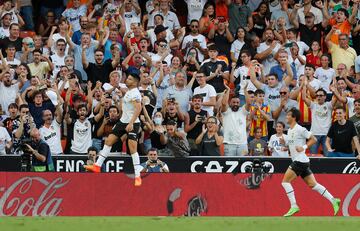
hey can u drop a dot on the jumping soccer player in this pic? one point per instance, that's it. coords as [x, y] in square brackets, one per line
[296, 142]
[129, 124]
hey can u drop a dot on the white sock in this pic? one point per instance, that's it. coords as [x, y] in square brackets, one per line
[136, 163]
[290, 194]
[323, 192]
[102, 155]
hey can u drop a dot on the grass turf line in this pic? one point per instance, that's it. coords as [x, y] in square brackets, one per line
[179, 223]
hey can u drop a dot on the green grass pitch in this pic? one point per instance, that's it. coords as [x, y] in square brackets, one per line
[179, 223]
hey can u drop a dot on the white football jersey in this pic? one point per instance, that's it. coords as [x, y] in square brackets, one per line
[297, 136]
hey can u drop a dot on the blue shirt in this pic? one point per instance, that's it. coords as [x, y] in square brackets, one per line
[280, 72]
[76, 37]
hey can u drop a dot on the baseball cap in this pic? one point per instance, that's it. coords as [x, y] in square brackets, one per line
[160, 28]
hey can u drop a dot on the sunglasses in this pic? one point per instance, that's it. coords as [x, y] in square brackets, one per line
[194, 26]
[163, 45]
[283, 93]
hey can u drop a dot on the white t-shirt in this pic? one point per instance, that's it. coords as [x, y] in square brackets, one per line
[350, 103]
[276, 147]
[8, 95]
[14, 62]
[4, 32]
[4, 138]
[321, 117]
[315, 83]
[157, 57]
[235, 126]
[128, 101]
[52, 136]
[303, 48]
[189, 39]
[297, 136]
[195, 8]
[269, 61]
[236, 48]
[316, 11]
[206, 92]
[73, 15]
[130, 17]
[325, 77]
[58, 62]
[299, 67]
[152, 36]
[170, 20]
[55, 38]
[243, 73]
[81, 136]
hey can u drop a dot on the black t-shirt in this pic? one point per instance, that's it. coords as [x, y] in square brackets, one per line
[150, 102]
[309, 35]
[99, 72]
[222, 44]
[176, 118]
[210, 67]
[4, 43]
[209, 146]
[155, 141]
[189, 73]
[195, 132]
[342, 136]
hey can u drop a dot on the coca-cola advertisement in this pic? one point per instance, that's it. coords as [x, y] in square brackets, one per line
[113, 194]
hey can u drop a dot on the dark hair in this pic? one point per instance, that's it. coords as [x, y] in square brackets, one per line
[61, 40]
[23, 106]
[310, 65]
[99, 50]
[197, 96]
[37, 51]
[92, 148]
[209, 3]
[282, 123]
[339, 107]
[293, 30]
[14, 24]
[13, 105]
[159, 15]
[321, 90]
[257, 129]
[113, 106]
[357, 101]
[161, 40]
[152, 150]
[295, 113]
[171, 122]
[259, 91]
[344, 11]
[10, 45]
[82, 105]
[245, 51]
[273, 74]
[213, 117]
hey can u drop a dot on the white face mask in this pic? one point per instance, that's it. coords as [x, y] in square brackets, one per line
[157, 120]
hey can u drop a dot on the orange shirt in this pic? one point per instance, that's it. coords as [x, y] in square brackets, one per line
[305, 112]
[343, 28]
[222, 10]
[314, 60]
[259, 120]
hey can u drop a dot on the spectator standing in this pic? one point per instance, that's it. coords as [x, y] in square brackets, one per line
[276, 148]
[258, 147]
[210, 138]
[207, 92]
[234, 122]
[240, 15]
[340, 136]
[154, 164]
[175, 140]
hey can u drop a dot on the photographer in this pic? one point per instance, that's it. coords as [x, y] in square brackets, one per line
[153, 164]
[22, 126]
[39, 152]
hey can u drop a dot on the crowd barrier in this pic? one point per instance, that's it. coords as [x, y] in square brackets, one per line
[117, 163]
[172, 194]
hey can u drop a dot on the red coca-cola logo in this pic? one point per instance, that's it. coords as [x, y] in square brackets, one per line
[18, 199]
[351, 204]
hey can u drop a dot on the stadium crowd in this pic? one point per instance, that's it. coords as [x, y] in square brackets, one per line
[217, 77]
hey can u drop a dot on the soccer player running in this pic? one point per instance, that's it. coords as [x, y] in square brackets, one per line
[128, 124]
[296, 142]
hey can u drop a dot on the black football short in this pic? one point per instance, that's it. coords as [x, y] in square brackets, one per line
[301, 169]
[119, 130]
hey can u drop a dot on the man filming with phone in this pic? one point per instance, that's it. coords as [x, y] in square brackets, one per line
[153, 164]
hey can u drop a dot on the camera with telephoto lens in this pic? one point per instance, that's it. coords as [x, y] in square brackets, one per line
[257, 166]
[26, 157]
